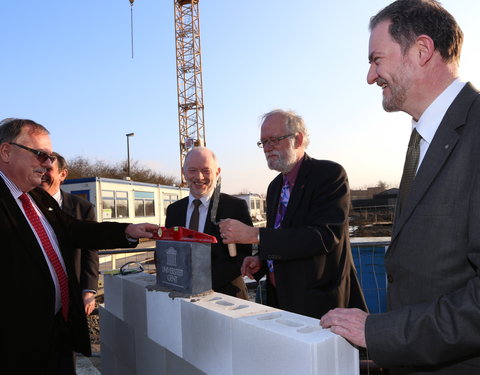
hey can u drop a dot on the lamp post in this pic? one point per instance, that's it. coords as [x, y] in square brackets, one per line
[128, 154]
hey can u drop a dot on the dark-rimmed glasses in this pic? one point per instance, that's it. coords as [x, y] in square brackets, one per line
[41, 156]
[273, 140]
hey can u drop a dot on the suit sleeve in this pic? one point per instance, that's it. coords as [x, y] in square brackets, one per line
[89, 258]
[319, 221]
[242, 214]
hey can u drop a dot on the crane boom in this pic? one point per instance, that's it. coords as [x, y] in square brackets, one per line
[189, 77]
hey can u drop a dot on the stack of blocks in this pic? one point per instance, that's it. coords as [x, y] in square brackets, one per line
[144, 331]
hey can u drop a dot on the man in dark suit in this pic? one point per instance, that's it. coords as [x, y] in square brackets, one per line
[305, 249]
[201, 172]
[86, 261]
[433, 261]
[43, 315]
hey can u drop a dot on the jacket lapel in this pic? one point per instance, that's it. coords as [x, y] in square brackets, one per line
[442, 146]
[273, 197]
[67, 204]
[298, 190]
[24, 233]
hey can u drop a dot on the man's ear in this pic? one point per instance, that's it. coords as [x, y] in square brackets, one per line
[63, 175]
[298, 140]
[425, 48]
[5, 152]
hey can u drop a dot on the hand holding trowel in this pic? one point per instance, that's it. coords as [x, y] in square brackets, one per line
[232, 248]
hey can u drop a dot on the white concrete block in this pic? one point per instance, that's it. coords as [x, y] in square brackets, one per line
[164, 320]
[120, 338]
[178, 366]
[207, 330]
[134, 299]
[113, 297]
[286, 343]
[151, 357]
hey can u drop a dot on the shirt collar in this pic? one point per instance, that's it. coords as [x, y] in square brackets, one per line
[204, 199]
[14, 190]
[430, 120]
[58, 197]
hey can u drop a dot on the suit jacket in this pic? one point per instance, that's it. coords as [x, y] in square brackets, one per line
[86, 261]
[28, 290]
[314, 270]
[224, 267]
[433, 261]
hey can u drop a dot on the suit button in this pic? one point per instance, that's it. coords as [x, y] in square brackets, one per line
[390, 278]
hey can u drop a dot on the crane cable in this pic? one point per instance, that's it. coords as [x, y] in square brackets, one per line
[131, 23]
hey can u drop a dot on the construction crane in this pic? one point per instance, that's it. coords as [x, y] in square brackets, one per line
[189, 77]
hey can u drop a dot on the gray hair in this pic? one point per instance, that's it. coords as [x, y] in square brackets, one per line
[10, 128]
[293, 122]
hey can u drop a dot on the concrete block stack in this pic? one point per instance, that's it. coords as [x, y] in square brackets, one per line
[144, 331]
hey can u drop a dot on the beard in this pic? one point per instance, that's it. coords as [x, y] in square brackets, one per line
[399, 85]
[284, 162]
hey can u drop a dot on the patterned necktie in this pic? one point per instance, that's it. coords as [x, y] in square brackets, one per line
[410, 168]
[51, 254]
[282, 208]
[194, 219]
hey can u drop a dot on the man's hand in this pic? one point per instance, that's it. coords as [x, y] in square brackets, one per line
[250, 266]
[348, 323]
[89, 302]
[234, 231]
[144, 230]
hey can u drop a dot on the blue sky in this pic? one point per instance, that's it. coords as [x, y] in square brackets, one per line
[68, 65]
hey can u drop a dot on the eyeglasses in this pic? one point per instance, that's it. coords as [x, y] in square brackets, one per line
[41, 156]
[273, 140]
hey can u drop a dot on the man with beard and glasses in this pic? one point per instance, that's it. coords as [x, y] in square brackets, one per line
[305, 249]
[201, 172]
[433, 261]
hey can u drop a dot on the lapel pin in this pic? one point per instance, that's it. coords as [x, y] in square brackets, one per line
[447, 146]
[50, 209]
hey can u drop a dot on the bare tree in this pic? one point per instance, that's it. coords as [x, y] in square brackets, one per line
[81, 167]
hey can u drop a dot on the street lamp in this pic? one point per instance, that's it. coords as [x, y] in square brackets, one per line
[128, 154]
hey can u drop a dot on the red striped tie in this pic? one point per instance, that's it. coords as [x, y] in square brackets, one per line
[52, 255]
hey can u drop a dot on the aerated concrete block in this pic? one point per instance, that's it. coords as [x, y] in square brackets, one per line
[207, 326]
[134, 299]
[113, 294]
[164, 320]
[177, 365]
[151, 357]
[286, 343]
[117, 337]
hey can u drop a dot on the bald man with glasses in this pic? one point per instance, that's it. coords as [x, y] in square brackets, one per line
[305, 249]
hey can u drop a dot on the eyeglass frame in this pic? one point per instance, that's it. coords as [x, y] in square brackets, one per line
[41, 156]
[274, 140]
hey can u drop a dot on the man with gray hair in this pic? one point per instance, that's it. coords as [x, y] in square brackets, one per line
[305, 249]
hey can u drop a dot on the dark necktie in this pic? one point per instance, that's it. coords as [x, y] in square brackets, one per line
[51, 254]
[282, 208]
[195, 215]
[410, 168]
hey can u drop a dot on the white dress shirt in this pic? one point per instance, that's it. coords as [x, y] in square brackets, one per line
[202, 209]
